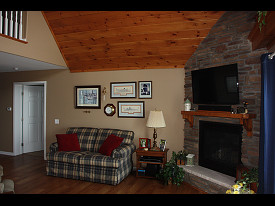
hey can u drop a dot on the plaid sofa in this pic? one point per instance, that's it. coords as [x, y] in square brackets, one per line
[88, 164]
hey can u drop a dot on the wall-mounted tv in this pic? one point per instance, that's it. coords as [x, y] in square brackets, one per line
[216, 85]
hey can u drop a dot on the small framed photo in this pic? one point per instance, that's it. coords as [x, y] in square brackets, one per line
[145, 89]
[142, 142]
[148, 143]
[131, 109]
[88, 97]
[162, 144]
[123, 89]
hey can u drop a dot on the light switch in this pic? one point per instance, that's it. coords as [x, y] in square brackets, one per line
[56, 121]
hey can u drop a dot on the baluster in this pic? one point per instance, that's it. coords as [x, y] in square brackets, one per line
[15, 22]
[6, 23]
[10, 24]
[1, 22]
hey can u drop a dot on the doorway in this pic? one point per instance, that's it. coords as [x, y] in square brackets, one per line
[29, 117]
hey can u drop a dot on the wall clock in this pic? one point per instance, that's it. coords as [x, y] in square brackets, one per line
[109, 109]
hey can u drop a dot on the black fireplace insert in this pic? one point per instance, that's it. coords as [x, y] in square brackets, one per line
[220, 146]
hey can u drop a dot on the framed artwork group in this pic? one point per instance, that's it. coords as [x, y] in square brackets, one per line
[131, 109]
[128, 90]
[89, 97]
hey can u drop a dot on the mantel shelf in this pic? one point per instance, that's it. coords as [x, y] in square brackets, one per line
[245, 119]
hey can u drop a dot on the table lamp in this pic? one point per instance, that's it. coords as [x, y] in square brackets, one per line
[155, 120]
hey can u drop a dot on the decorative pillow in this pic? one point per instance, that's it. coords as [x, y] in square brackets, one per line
[67, 142]
[111, 143]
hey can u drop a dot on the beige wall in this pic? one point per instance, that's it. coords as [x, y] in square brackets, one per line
[41, 44]
[168, 96]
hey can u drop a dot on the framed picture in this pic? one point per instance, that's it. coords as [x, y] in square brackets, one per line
[145, 89]
[148, 143]
[123, 89]
[142, 142]
[131, 109]
[88, 97]
[162, 144]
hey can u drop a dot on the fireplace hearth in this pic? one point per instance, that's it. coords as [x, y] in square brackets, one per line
[220, 146]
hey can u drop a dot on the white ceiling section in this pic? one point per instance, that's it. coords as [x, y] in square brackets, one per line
[8, 63]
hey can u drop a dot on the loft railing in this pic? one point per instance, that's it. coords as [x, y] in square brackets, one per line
[13, 24]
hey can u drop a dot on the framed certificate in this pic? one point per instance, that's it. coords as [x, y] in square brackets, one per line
[123, 89]
[131, 109]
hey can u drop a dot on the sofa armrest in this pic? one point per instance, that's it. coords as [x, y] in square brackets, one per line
[54, 147]
[123, 151]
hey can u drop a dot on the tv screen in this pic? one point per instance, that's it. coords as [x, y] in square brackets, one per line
[216, 85]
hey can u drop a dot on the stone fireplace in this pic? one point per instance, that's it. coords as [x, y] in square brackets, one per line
[225, 44]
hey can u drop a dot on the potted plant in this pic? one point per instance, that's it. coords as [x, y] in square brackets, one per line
[239, 188]
[261, 19]
[250, 178]
[181, 157]
[171, 173]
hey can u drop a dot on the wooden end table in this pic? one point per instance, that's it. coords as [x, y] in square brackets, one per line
[141, 152]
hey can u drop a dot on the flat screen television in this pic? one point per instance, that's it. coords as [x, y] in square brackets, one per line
[216, 85]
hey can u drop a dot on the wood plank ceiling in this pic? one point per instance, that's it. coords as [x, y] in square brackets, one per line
[123, 40]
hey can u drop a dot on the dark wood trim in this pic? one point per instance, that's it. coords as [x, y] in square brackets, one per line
[12, 38]
[265, 37]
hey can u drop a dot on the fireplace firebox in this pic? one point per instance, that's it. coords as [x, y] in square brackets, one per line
[220, 146]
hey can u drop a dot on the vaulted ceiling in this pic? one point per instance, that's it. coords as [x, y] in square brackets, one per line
[123, 40]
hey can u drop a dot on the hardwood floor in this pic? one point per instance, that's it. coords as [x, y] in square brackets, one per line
[28, 171]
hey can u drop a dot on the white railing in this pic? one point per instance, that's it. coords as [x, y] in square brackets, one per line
[11, 24]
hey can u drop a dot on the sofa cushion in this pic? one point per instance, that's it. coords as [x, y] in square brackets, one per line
[86, 136]
[127, 136]
[66, 156]
[84, 158]
[97, 159]
[67, 142]
[111, 143]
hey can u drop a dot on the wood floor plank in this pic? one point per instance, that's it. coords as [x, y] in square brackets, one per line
[28, 171]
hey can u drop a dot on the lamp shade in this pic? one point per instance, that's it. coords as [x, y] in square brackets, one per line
[155, 119]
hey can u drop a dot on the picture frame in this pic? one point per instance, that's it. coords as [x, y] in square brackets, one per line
[162, 144]
[123, 89]
[145, 90]
[131, 109]
[88, 97]
[145, 143]
[142, 142]
[149, 143]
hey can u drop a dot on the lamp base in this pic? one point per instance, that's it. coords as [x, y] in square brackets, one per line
[155, 137]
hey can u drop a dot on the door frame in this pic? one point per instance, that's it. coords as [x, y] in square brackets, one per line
[17, 114]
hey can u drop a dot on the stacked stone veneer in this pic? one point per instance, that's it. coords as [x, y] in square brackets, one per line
[227, 43]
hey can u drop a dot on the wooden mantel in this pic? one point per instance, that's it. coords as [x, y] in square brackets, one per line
[245, 119]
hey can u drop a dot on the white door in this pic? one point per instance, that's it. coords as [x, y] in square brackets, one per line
[33, 118]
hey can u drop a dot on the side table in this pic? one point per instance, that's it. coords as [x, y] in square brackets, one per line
[141, 152]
